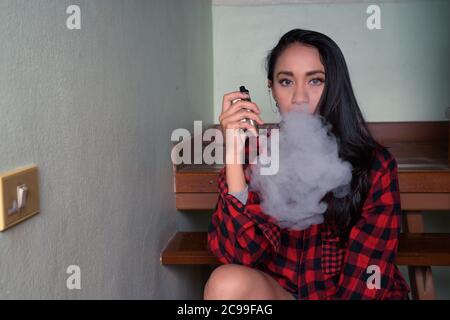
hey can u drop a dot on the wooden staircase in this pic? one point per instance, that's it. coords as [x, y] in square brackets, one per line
[422, 153]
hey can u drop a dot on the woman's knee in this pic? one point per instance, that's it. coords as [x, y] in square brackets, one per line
[232, 281]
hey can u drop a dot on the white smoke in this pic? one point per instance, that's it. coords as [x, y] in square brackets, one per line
[309, 168]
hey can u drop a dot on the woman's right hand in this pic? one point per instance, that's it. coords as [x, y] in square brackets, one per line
[233, 113]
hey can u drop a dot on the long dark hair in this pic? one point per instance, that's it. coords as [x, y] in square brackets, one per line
[338, 107]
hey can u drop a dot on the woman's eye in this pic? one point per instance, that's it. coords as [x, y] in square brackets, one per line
[317, 81]
[284, 82]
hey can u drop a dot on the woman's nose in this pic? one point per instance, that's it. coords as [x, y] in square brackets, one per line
[300, 96]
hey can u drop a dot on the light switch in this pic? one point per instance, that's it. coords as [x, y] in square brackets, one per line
[19, 195]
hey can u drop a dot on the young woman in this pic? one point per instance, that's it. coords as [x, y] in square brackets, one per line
[349, 256]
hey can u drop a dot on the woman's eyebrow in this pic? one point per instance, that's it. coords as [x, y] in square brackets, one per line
[290, 73]
[314, 72]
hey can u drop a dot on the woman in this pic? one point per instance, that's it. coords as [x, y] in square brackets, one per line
[341, 258]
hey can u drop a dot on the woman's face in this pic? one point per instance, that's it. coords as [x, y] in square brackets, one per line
[298, 79]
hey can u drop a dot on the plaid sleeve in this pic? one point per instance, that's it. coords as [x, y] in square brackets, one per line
[241, 233]
[373, 241]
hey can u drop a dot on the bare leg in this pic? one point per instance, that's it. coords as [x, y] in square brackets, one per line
[238, 282]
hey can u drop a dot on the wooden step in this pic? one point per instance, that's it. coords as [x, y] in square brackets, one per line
[421, 189]
[424, 249]
[417, 179]
[188, 248]
[425, 202]
[420, 249]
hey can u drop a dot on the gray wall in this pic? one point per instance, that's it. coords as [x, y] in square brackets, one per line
[94, 109]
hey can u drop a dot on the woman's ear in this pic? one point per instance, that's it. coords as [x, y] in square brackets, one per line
[269, 84]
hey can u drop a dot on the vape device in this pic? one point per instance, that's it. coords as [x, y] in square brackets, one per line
[251, 121]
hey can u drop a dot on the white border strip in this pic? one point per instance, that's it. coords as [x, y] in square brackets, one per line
[274, 2]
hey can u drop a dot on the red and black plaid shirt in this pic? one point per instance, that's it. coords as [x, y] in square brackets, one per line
[309, 263]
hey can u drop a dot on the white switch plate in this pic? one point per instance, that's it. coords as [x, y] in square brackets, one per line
[9, 181]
